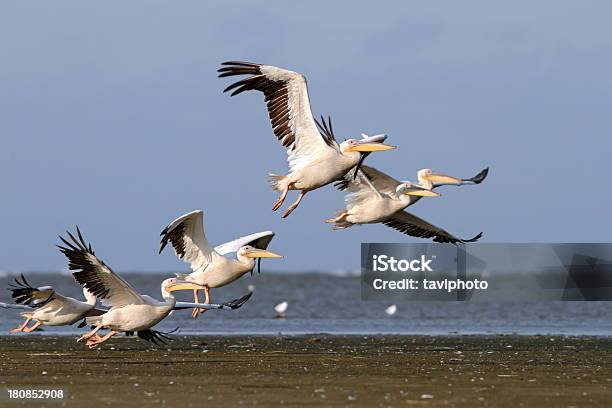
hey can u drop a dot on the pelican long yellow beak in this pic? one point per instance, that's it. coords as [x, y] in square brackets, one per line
[371, 147]
[262, 253]
[422, 193]
[443, 178]
[184, 285]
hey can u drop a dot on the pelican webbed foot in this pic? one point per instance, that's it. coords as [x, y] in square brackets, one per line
[96, 340]
[90, 333]
[31, 329]
[339, 218]
[22, 326]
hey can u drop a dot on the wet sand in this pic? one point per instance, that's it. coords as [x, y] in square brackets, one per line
[369, 371]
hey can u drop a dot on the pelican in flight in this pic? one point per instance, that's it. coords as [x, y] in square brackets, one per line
[375, 197]
[211, 268]
[315, 159]
[45, 306]
[129, 311]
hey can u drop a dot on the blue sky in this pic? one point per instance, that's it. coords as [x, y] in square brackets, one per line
[111, 117]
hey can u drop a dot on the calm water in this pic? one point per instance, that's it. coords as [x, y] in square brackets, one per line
[326, 303]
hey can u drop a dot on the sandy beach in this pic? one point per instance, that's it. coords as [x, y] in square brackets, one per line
[368, 371]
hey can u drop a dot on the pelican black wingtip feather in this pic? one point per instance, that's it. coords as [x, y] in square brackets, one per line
[77, 244]
[480, 177]
[154, 336]
[237, 303]
[175, 237]
[473, 239]
[23, 293]
[254, 81]
[83, 262]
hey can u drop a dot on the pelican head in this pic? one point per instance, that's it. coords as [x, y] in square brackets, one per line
[409, 188]
[366, 144]
[249, 251]
[428, 177]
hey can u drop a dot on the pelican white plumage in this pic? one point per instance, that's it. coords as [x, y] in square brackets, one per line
[315, 158]
[375, 197]
[211, 268]
[45, 306]
[129, 311]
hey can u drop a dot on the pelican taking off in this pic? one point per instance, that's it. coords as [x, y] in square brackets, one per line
[211, 268]
[129, 311]
[375, 197]
[47, 307]
[315, 159]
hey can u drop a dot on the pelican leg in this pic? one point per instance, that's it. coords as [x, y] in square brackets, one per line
[282, 197]
[23, 326]
[31, 329]
[99, 340]
[196, 298]
[339, 218]
[90, 333]
[207, 299]
[294, 205]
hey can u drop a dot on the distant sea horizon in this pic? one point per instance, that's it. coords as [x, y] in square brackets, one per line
[330, 302]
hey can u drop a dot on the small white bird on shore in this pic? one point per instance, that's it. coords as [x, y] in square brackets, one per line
[391, 310]
[281, 310]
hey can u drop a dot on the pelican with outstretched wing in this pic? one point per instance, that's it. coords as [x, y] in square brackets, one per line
[129, 311]
[211, 267]
[45, 306]
[375, 197]
[315, 158]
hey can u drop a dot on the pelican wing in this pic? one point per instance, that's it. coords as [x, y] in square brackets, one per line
[94, 312]
[186, 234]
[91, 313]
[286, 96]
[382, 181]
[94, 275]
[24, 293]
[231, 305]
[15, 306]
[259, 240]
[414, 226]
[358, 189]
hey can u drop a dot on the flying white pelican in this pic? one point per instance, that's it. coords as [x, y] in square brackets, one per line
[315, 159]
[375, 197]
[47, 307]
[211, 269]
[129, 311]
